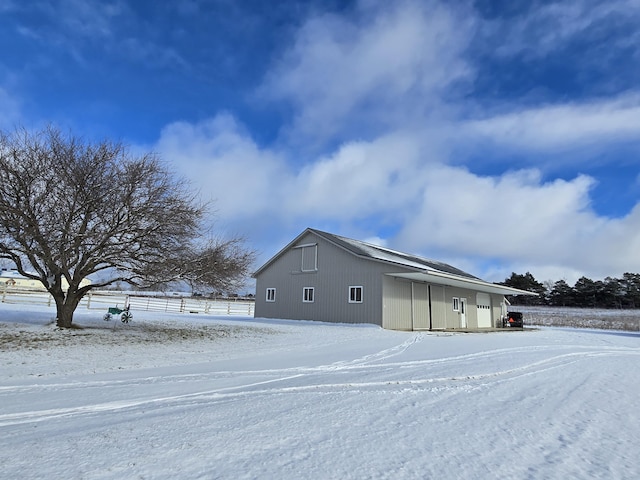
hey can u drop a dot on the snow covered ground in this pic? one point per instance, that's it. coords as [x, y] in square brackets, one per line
[203, 397]
[608, 319]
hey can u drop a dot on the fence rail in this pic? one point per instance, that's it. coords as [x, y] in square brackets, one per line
[103, 300]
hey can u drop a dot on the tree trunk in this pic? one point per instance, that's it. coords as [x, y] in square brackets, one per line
[65, 306]
[64, 317]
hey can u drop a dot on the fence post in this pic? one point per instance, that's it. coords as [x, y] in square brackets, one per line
[4, 292]
[88, 300]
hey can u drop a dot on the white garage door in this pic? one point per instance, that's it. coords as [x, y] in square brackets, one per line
[483, 301]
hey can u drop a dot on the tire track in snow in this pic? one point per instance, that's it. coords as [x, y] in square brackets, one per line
[461, 382]
[290, 373]
[375, 357]
[340, 365]
[363, 364]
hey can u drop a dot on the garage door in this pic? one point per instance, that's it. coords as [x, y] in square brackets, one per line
[483, 301]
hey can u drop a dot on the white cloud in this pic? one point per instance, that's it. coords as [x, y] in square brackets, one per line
[359, 179]
[516, 218]
[551, 26]
[519, 219]
[510, 216]
[381, 242]
[563, 126]
[389, 63]
[227, 166]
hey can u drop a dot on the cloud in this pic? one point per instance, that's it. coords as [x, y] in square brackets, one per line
[70, 20]
[358, 180]
[226, 163]
[485, 215]
[90, 19]
[564, 125]
[78, 27]
[517, 218]
[71, 27]
[242, 180]
[439, 210]
[544, 29]
[386, 64]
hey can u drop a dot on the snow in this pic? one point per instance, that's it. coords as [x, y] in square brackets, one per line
[204, 397]
[608, 319]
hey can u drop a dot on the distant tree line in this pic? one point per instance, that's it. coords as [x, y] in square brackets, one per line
[615, 293]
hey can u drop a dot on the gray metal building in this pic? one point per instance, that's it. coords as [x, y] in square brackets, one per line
[325, 277]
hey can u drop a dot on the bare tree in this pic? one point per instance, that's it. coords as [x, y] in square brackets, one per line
[70, 209]
[218, 264]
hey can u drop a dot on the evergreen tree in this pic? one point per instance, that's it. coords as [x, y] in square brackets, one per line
[529, 283]
[561, 294]
[585, 293]
[630, 285]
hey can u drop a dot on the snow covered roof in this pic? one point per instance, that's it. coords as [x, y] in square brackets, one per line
[377, 252]
[4, 273]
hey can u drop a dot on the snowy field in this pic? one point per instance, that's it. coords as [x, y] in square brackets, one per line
[608, 319]
[203, 397]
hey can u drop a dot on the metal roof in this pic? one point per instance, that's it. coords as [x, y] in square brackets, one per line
[368, 250]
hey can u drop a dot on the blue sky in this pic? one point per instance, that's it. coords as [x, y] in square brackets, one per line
[498, 136]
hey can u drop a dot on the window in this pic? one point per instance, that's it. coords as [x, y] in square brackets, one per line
[271, 294]
[456, 304]
[355, 294]
[307, 294]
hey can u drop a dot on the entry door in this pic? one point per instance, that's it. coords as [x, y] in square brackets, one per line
[463, 313]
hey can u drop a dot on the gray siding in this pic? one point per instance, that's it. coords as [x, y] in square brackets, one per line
[496, 310]
[337, 270]
[438, 307]
[420, 311]
[396, 304]
[453, 318]
[406, 305]
[330, 270]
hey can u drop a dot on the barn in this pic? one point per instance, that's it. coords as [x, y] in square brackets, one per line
[13, 279]
[325, 277]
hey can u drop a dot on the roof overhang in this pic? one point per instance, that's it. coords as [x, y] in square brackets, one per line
[439, 278]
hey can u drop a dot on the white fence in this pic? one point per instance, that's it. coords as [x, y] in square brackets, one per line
[103, 300]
